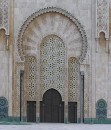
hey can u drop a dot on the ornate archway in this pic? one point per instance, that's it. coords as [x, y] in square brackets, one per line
[67, 31]
[59, 22]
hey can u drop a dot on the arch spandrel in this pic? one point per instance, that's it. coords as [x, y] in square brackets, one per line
[52, 21]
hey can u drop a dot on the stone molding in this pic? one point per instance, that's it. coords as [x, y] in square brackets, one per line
[48, 10]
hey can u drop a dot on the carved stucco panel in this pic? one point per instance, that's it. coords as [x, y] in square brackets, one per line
[103, 17]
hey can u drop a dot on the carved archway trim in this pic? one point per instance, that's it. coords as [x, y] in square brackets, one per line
[48, 10]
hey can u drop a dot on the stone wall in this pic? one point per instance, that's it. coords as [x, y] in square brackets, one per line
[95, 18]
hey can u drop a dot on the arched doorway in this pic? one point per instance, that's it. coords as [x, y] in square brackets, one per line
[52, 42]
[52, 107]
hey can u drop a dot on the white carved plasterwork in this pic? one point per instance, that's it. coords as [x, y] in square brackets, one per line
[4, 15]
[73, 80]
[52, 64]
[103, 17]
[31, 78]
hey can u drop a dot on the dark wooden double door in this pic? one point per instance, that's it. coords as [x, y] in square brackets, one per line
[52, 107]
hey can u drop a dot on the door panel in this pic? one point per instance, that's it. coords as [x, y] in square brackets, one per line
[52, 107]
[72, 112]
[31, 111]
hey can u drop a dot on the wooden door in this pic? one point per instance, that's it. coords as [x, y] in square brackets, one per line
[72, 112]
[52, 107]
[31, 111]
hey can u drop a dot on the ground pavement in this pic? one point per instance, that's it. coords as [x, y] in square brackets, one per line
[51, 126]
